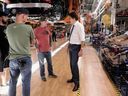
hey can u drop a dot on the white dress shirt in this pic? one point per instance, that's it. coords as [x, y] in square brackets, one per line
[78, 34]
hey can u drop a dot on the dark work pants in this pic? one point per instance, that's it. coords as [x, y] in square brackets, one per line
[73, 53]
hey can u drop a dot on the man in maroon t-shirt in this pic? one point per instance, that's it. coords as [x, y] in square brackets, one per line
[44, 49]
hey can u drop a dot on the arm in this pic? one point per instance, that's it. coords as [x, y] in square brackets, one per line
[82, 44]
[82, 38]
[32, 38]
[49, 32]
[32, 42]
[36, 43]
[82, 35]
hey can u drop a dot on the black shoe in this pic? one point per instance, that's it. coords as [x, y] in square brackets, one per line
[53, 76]
[70, 81]
[76, 87]
[44, 79]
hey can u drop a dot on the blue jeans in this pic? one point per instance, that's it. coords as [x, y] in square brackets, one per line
[73, 54]
[41, 56]
[18, 67]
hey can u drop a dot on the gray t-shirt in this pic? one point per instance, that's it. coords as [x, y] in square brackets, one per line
[19, 37]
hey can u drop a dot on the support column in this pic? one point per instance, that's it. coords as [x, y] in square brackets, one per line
[70, 5]
[113, 12]
[77, 5]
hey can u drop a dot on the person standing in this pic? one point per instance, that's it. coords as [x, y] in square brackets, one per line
[54, 36]
[4, 47]
[42, 35]
[76, 44]
[20, 37]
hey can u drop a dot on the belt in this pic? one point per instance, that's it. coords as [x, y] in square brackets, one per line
[75, 44]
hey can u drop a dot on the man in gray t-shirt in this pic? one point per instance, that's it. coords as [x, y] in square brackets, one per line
[20, 37]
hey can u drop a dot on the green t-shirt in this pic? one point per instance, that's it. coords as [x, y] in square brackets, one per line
[19, 37]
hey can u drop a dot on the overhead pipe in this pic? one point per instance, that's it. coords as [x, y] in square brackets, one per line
[102, 9]
[29, 5]
[100, 13]
[98, 6]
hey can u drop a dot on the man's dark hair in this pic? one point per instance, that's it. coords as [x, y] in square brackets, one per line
[22, 11]
[3, 14]
[73, 15]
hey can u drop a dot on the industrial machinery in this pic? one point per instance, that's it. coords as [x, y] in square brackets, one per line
[113, 53]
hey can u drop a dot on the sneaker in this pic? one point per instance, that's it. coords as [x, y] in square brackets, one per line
[53, 76]
[44, 79]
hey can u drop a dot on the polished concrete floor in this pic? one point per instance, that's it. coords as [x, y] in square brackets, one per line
[93, 79]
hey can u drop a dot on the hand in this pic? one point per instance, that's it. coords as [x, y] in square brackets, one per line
[80, 53]
[50, 48]
[31, 45]
[36, 45]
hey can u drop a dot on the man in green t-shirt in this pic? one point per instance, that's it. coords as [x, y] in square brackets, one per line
[20, 37]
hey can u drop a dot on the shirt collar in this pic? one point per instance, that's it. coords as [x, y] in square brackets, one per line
[75, 23]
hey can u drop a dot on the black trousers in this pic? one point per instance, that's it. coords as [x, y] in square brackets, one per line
[73, 53]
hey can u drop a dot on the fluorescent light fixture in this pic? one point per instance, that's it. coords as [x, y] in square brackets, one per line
[100, 13]
[29, 5]
[100, 1]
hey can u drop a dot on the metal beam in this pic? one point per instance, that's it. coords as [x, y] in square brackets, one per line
[29, 5]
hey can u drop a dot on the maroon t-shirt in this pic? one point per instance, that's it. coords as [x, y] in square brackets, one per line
[42, 36]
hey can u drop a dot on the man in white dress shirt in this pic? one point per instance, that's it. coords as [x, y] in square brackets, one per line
[76, 44]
